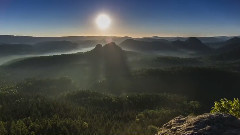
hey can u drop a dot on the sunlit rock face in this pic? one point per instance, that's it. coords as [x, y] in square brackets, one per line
[206, 124]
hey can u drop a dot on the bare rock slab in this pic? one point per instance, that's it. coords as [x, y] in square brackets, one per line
[206, 124]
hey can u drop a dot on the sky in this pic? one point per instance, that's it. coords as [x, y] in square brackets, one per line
[136, 18]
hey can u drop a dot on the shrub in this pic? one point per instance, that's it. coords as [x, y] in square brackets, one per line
[227, 106]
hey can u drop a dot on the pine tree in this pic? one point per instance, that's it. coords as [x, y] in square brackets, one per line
[3, 131]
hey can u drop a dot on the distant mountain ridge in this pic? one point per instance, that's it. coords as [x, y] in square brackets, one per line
[230, 45]
[108, 61]
[211, 39]
[229, 51]
[137, 45]
[55, 46]
[191, 44]
[11, 39]
[39, 48]
[15, 49]
[100, 52]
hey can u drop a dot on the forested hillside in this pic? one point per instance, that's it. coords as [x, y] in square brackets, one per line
[109, 90]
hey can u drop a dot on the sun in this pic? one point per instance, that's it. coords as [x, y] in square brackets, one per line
[103, 21]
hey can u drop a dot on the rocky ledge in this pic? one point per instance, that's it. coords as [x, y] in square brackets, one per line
[206, 124]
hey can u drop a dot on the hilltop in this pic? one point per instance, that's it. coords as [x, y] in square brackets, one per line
[192, 46]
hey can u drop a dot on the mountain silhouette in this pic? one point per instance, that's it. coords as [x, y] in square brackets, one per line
[144, 46]
[55, 46]
[151, 39]
[39, 48]
[230, 45]
[233, 40]
[191, 44]
[114, 59]
[15, 49]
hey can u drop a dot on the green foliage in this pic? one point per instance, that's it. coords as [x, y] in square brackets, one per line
[88, 112]
[3, 130]
[45, 126]
[46, 87]
[227, 106]
[173, 61]
[137, 102]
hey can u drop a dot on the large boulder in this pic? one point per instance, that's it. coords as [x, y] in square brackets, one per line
[206, 124]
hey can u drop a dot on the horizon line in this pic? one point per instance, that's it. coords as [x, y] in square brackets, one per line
[116, 36]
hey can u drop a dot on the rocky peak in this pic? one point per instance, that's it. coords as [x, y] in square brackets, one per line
[110, 49]
[98, 46]
[206, 124]
[111, 46]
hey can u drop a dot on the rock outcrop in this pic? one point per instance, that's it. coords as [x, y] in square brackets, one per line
[206, 124]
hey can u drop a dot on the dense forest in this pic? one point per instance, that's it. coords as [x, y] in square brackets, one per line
[27, 108]
[109, 90]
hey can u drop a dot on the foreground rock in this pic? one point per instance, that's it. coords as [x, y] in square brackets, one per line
[206, 124]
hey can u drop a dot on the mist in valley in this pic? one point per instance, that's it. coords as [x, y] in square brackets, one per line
[6, 59]
[118, 67]
[137, 82]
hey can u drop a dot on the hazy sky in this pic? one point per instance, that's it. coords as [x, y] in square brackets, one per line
[129, 17]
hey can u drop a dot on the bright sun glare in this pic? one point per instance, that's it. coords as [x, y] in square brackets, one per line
[103, 21]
